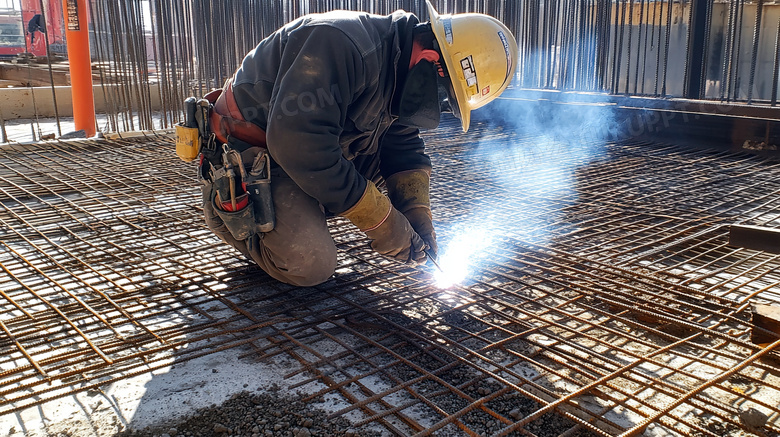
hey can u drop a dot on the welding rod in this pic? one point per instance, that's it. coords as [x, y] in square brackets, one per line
[433, 260]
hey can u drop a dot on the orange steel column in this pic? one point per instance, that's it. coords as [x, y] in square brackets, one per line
[77, 35]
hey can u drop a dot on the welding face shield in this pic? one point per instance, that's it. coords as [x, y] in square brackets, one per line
[447, 100]
[419, 103]
[426, 94]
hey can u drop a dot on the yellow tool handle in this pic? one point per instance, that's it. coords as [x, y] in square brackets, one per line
[187, 143]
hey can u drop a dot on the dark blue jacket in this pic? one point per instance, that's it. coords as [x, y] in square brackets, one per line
[321, 87]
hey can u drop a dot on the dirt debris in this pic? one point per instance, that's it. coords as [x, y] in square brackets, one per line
[753, 418]
[268, 414]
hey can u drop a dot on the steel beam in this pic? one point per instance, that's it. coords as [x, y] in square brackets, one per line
[697, 48]
[755, 237]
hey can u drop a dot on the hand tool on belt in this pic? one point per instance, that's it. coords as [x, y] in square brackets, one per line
[242, 194]
[216, 119]
[230, 181]
[187, 133]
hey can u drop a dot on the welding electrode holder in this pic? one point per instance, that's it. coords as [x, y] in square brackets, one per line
[433, 260]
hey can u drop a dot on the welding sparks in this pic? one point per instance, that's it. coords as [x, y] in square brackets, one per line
[460, 256]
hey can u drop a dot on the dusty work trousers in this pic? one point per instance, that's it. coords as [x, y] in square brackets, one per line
[300, 250]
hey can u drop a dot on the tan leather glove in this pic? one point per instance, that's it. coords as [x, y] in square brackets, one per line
[390, 232]
[409, 192]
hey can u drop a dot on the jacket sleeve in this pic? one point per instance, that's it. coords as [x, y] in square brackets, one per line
[321, 73]
[402, 149]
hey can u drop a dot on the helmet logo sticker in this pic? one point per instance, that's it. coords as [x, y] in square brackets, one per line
[469, 73]
[506, 50]
[486, 90]
[447, 23]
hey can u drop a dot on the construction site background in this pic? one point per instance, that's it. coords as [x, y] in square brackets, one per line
[149, 55]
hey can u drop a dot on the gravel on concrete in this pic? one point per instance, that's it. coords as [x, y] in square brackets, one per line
[257, 415]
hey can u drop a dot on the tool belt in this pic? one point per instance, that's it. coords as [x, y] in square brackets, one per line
[239, 193]
[226, 120]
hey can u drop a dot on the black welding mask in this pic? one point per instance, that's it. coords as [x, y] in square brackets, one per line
[420, 99]
[447, 101]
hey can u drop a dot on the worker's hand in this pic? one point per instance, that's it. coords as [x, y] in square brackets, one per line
[395, 237]
[410, 193]
[422, 222]
[390, 232]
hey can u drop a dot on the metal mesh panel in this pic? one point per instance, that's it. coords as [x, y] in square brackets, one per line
[602, 298]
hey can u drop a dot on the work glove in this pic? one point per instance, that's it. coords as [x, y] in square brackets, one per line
[409, 192]
[390, 232]
[422, 222]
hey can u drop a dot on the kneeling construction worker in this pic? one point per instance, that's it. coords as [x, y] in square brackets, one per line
[327, 109]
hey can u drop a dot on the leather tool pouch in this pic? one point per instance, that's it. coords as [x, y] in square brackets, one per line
[242, 194]
[258, 185]
[231, 202]
[241, 223]
[249, 210]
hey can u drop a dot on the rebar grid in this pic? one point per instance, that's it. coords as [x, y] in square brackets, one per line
[602, 300]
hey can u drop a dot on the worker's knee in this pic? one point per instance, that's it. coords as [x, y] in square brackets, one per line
[303, 265]
[314, 272]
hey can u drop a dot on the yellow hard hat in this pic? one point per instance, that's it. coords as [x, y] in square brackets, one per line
[480, 53]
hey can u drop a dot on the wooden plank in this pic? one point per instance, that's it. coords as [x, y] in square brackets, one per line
[38, 75]
[767, 319]
[9, 83]
[34, 75]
